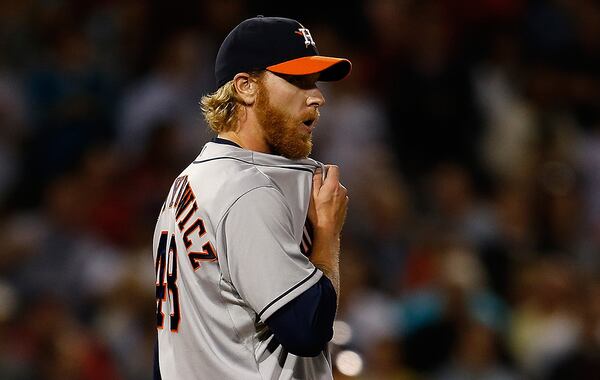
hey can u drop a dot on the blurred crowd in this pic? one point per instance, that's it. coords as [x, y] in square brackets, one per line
[468, 135]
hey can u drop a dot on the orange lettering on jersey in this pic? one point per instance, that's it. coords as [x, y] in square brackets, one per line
[199, 225]
[184, 221]
[176, 190]
[187, 198]
[208, 253]
[180, 198]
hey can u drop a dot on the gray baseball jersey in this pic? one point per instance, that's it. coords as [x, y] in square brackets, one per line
[228, 250]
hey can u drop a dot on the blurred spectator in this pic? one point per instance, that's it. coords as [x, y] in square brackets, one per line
[588, 163]
[12, 132]
[545, 324]
[385, 362]
[70, 103]
[429, 97]
[581, 361]
[477, 356]
[443, 304]
[52, 344]
[170, 93]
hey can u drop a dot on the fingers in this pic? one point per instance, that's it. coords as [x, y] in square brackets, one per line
[329, 201]
[344, 192]
[333, 173]
[331, 182]
[317, 181]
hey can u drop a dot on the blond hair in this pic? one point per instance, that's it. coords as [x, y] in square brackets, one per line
[221, 108]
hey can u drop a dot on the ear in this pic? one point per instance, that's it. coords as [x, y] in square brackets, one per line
[247, 87]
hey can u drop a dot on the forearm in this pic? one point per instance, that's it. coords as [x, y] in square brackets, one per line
[326, 256]
[327, 212]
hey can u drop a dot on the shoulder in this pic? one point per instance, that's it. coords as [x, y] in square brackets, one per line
[220, 176]
[239, 170]
[261, 201]
[229, 171]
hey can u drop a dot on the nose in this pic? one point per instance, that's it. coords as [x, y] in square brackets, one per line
[315, 98]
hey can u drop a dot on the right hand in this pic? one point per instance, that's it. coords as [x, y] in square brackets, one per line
[328, 203]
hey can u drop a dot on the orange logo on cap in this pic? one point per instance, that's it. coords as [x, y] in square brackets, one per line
[308, 40]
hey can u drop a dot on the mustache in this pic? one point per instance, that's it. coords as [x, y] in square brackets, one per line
[312, 114]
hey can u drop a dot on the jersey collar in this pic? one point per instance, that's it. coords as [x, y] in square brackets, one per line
[219, 140]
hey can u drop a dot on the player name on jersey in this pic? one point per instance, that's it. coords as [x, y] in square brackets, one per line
[180, 199]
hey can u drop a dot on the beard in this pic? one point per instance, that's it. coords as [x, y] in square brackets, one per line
[281, 130]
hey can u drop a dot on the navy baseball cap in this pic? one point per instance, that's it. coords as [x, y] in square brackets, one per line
[280, 45]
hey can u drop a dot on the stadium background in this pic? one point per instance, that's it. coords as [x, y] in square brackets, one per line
[468, 136]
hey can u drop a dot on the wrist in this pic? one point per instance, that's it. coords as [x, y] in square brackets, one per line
[326, 232]
[325, 254]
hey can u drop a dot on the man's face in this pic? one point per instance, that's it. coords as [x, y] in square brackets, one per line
[286, 109]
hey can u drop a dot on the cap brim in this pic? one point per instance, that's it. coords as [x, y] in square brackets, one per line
[331, 69]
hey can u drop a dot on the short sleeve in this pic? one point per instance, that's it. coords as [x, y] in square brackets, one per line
[265, 263]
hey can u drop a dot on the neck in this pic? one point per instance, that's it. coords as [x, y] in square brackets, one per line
[231, 136]
[249, 136]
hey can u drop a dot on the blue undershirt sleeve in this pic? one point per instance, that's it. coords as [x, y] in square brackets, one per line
[305, 324]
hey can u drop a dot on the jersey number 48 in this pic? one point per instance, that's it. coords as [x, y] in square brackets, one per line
[166, 266]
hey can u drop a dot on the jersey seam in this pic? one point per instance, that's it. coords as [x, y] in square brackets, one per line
[221, 278]
[233, 325]
[220, 226]
[269, 186]
[226, 212]
[273, 184]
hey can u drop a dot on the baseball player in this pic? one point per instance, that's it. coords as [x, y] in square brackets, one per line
[246, 245]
